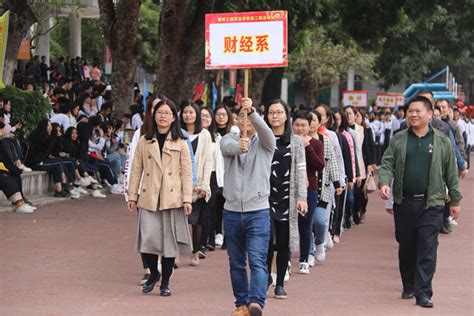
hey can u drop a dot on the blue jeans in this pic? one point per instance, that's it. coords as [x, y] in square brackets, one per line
[349, 203]
[248, 234]
[305, 224]
[319, 227]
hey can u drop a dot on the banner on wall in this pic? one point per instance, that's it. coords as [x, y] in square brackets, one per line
[3, 43]
[246, 40]
[24, 53]
[358, 98]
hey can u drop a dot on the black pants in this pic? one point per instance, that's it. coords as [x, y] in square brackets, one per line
[360, 201]
[338, 215]
[8, 184]
[105, 169]
[416, 231]
[69, 168]
[53, 166]
[216, 216]
[280, 242]
[208, 228]
[13, 149]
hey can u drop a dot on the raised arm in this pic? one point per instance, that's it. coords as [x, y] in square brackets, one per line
[264, 132]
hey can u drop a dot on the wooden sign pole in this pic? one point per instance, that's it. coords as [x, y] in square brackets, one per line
[246, 95]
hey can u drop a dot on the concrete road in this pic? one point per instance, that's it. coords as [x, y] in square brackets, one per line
[77, 258]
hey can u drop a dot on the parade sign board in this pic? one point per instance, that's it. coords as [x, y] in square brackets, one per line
[389, 100]
[357, 98]
[246, 40]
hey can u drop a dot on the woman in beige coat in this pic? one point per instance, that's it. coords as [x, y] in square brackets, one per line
[162, 165]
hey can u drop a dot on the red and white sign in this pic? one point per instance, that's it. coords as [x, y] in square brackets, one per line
[246, 40]
[389, 100]
[400, 99]
[355, 98]
[386, 100]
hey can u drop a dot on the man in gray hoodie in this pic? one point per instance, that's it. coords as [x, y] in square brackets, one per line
[246, 211]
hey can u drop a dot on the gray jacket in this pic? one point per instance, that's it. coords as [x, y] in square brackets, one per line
[298, 189]
[247, 176]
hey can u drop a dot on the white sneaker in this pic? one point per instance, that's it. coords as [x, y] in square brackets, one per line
[83, 182]
[33, 207]
[320, 254]
[92, 180]
[25, 168]
[25, 208]
[329, 243]
[287, 275]
[81, 190]
[74, 194]
[219, 240]
[311, 260]
[98, 194]
[116, 189]
[304, 268]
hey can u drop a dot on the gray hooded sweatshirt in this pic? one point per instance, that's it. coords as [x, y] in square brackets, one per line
[247, 176]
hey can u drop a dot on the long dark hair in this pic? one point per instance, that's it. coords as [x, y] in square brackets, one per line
[41, 129]
[230, 117]
[212, 127]
[286, 137]
[197, 123]
[344, 123]
[70, 146]
[175, 128]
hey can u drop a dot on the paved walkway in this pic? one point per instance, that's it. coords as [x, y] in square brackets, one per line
[77, 258]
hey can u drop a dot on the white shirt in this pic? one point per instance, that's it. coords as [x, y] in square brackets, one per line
[62, 119]
[137, 121]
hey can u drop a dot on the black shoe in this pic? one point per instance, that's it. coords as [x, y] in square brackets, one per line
[406, 295]
[62, 194]
[150, 284]
[348, 222]
[145, 278]
[211, 247]
[356, 218]
[255, 309]
[280, 292]
[424, 302]
[202, 252]
[446, 228]
[165, 291]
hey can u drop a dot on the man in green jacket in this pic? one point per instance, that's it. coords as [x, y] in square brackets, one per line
[421, 163]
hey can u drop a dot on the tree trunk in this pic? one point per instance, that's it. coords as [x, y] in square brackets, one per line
[120, 26]
[21, 19]
[181, 47]
[272, 85]
[257, 80]
[312, 94]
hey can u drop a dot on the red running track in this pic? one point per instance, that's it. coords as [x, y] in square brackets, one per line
[77, 258]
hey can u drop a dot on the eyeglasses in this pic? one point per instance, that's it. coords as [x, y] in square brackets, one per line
[277, 113]
[164, 113]
[205, 116]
